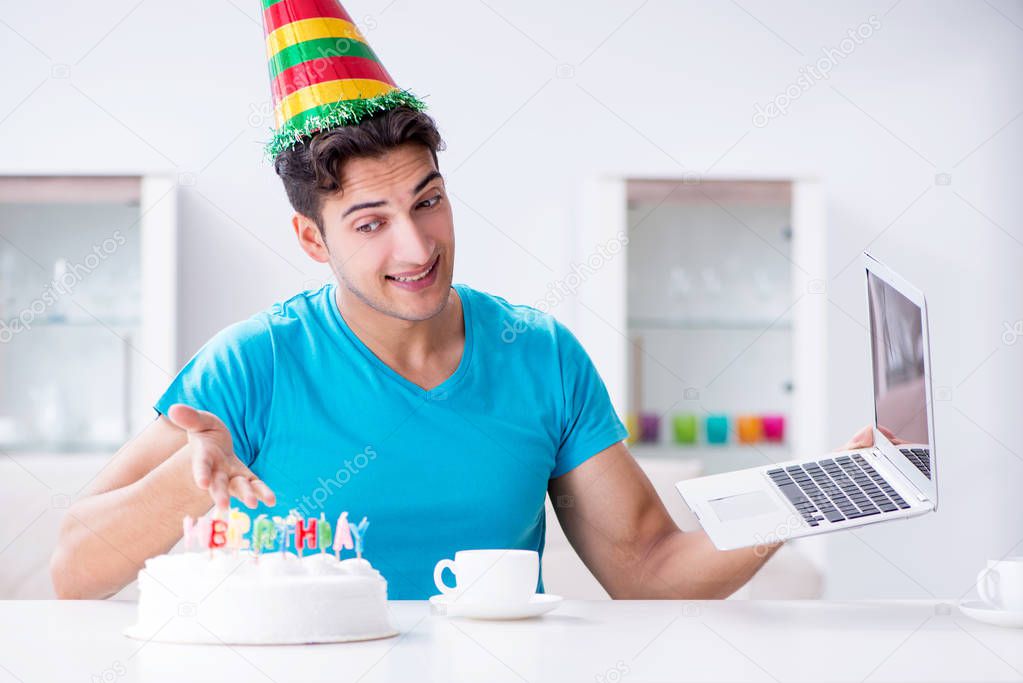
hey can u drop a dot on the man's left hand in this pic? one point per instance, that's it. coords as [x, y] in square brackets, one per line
[865, 439]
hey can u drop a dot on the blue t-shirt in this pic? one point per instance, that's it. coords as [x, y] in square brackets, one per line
[330, 427]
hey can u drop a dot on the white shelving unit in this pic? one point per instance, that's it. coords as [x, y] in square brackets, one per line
[780, 341]
[749, 347]
[88, 306]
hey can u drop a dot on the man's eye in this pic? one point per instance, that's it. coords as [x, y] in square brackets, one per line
[429, 203]
[369, 227]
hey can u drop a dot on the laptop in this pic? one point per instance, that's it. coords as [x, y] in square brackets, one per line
[896, 478]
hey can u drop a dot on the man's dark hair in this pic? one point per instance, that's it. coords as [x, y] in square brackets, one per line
[312, 170]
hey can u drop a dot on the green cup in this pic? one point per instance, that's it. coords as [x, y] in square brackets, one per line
[685, 428]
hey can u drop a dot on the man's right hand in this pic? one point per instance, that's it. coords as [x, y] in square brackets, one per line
[215, 466]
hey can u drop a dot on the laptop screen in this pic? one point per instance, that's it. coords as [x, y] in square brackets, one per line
[900, 399]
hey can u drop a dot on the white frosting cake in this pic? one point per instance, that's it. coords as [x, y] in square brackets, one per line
[276, 598]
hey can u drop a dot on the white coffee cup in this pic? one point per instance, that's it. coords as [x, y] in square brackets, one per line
[490, 577]
[1001, 584]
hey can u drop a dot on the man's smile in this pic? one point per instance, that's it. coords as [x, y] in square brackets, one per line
[413, 276]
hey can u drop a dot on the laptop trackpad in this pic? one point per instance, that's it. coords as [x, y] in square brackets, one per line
[743, 505]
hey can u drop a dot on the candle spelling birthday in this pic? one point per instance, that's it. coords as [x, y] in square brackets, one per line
[294, 533]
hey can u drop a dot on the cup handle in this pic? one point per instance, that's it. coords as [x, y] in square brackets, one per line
[987, 586]
[438, 577]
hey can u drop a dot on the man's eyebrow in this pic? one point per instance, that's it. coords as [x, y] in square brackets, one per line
[426, 181]
[363, 205]
[380, 202]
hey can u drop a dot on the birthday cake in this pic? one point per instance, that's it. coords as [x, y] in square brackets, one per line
[287, 584]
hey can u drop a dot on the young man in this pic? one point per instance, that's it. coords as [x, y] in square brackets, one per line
[391, 394]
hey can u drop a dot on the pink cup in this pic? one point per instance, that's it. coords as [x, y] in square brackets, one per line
[774, 427]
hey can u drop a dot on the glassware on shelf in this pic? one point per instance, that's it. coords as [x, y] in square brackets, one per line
[764, 286]
[647, 424]
[749, 428]
[8, 276]
[58, 312]
[684, 428]
[66, 380]
[774, 428]
[717, 429]
[632, 426]
[52, 415]
[649, 427]
[106, 430]
[711, 280]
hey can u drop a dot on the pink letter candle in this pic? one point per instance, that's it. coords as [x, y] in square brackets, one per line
[196, 532]
[342, 535]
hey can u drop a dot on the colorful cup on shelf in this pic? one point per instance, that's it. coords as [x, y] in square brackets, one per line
[774, 428]
[684, 429]
[750, 428]
[649, 427]
[717, 429]
[632, 425]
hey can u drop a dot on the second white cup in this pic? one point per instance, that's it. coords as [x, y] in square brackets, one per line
[490, 577]
[1001, 584]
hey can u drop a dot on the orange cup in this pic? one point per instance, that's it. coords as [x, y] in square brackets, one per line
[750, 428]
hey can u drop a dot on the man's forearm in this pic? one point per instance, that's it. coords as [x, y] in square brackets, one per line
[106, 538]
[686, 565]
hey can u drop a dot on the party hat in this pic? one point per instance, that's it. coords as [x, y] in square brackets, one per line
[323, 73]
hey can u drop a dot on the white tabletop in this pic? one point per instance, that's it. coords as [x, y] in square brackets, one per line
[581, 641]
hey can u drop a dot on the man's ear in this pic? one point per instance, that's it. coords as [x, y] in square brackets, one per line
[309, 238]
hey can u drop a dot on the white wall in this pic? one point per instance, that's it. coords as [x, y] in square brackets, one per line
[174, 87]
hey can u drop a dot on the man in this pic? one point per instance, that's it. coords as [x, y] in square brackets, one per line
[390, 394]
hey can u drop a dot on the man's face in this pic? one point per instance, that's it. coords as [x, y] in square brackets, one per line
[389, 233]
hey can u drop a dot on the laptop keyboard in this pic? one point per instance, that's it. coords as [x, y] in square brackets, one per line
[836, 489]
[921, 457]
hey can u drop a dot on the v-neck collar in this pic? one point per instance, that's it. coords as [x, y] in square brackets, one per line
[441, 390]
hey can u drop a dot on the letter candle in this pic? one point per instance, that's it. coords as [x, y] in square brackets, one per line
[264, 532]
[214, 532]
[324, 535]
[196, 532]
[187, 531]
[359, 532]
[292, 521]
[238, 524]
[305, 534]
[342, 535]
[281, 527]
[218, 534]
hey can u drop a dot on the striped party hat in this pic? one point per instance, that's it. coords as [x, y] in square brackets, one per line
[323, 74]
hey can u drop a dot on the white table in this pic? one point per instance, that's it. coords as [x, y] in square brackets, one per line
[581, 641]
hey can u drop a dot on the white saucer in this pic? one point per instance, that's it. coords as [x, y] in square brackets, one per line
[540, 603]
[981, 611]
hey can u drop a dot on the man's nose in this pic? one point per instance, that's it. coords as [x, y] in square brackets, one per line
[412, 244]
